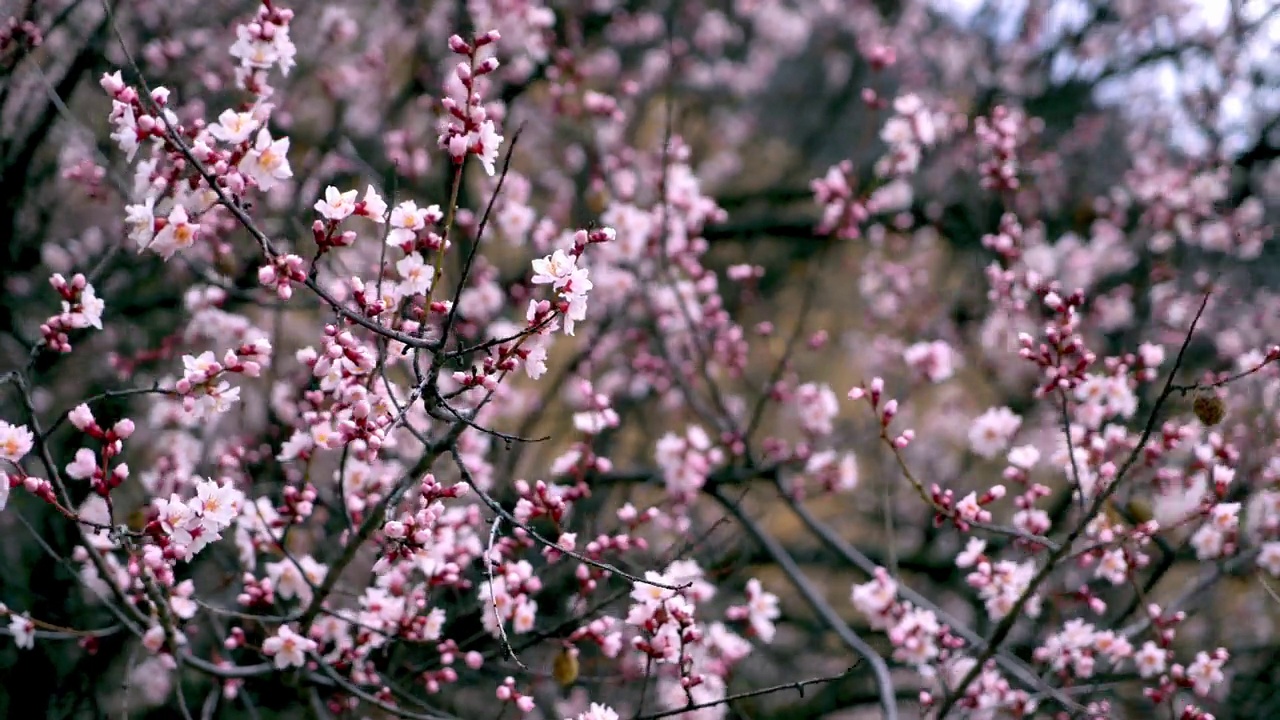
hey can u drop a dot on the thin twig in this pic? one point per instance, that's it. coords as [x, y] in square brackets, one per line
[489, 562]
[814, 597]
[798, 686]
[496, 507]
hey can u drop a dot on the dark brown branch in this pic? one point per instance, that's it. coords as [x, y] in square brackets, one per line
[884, 681]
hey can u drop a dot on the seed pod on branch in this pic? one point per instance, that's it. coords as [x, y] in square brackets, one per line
[1210, 409]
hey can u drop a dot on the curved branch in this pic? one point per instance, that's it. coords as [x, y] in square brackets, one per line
[884, 681]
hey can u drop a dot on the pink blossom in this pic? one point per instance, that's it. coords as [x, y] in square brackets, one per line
[934, 360]
[84, 466]
[1206, 671]
[288, 648]
[15, 442]
[267, 163]
[23, 631]
[336, 205]
[234, 127]
[597, 712]
[992, 431]
[1150, 659]
[762, 610]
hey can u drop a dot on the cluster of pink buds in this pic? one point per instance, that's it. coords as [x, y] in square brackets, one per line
[94, 466]
[1000, 583]
[1171, 436]
[970, 509]
[372, 304]
[487, 376]
[155, 559]
[247, 359]
[1029, 518]
[409, 534]
[1007, 240]
[911, 130]
[873, 393]
[594, 236]
[1062, 355]
[357, 417]
[283, 272]
[412, 228]
[89, 175]
[1194, 712]
[1117, 551]
[589, 576]
[668, 628]
[39, 487]
[998, 138]
[1086, 596]
[338, 206]
[471, 132]
[510, 594]
[261, 44]
[687, 462]
[1219, 457]
[82, 418]
[81, 308]
[601, 631]
[342, 349]
[843, 214]
[297, 503]
[235, 638]
[879, 56]
[542, 500]
[1007, 288]
[203, 386]
[508, 693]
[17, 38]
[133, 121]
[257, 592]
[448, 650]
